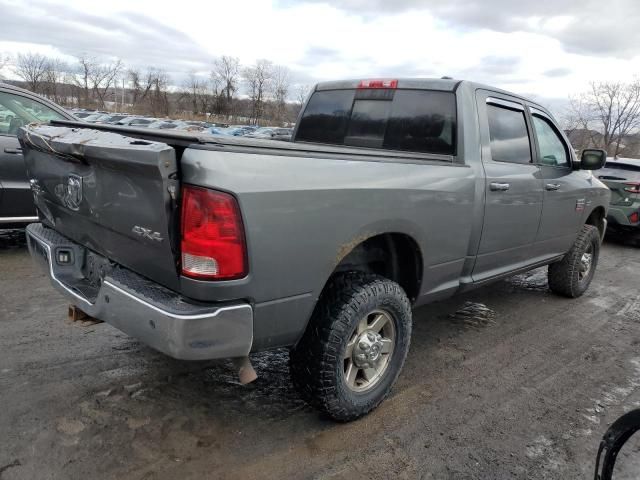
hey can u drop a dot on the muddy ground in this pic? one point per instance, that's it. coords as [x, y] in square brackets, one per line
[509, 381]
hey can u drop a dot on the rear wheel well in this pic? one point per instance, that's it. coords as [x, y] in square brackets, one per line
[395, 256]
[596, 218]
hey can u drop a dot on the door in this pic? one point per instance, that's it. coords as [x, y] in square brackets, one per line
[513, 190]
[16, 201]
[564, 188]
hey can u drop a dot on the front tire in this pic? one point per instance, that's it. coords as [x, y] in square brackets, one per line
[354, 347]
[572, 275]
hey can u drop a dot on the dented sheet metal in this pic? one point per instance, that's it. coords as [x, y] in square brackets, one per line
[101, 189]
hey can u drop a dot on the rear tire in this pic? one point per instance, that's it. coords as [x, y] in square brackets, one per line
[572, 275]
[354, 347]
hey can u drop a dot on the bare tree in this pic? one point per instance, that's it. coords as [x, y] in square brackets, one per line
[141, 84]
[159, 97]
[196, 93]
[81, 78]
[224, 76]
[102, 78]
[302, 92]
[258, 78]
[606, 115]
[281, 85]
[31, 67]
[149, 91]
[54, 77]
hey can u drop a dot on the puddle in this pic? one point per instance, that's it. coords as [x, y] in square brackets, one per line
[474, 315]
[535, 280]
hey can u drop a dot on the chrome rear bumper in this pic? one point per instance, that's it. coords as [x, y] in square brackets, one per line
[143, 309]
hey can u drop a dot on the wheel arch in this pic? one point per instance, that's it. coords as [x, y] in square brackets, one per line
[597, 218]
[393, 255]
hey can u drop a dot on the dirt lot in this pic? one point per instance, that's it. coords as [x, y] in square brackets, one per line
[509, 381]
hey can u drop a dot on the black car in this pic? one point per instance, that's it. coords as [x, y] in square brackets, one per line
[19, 107]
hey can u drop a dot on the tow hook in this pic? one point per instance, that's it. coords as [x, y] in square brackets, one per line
[246, 373]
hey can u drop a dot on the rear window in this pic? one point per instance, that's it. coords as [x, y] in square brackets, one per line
[407, 120]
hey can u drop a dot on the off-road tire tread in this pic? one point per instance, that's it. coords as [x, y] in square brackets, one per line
[563, 275]
[312, 362]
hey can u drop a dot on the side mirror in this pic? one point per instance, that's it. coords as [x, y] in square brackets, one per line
[593, 159]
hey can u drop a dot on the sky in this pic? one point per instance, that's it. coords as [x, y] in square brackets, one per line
[546, 49]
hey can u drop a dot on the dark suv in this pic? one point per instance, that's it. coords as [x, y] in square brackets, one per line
[19, 107]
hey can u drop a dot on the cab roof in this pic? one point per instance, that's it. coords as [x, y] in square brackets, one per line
[444, 84]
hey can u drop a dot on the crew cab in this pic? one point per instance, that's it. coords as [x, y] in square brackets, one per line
[393, 193]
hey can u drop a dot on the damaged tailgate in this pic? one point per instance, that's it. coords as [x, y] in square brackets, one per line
[113, 194]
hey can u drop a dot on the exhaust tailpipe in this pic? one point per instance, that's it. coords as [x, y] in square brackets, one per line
[246, 373]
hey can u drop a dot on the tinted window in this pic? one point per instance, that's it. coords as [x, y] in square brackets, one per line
[368, 122]
[412, 120]
[16, 111]
[326, 117]
[422, 121]
[509, 136]
[552, 149]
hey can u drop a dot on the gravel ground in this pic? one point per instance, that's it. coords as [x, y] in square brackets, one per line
[509, 381]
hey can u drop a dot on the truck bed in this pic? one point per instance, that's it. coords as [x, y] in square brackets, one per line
[181, 140]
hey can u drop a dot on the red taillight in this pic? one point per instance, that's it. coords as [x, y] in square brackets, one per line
[634, 217]
[633, 187]
[213, 245]
[380, 83]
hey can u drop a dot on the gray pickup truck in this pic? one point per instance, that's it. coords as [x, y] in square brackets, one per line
[392, 194]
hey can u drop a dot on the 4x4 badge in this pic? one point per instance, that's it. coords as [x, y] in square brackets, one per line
[147, 233]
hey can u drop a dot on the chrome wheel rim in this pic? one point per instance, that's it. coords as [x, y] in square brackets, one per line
[586, 262]
[369, 350]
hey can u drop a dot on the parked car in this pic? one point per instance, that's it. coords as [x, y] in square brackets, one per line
[97, 117]
[622, 176]
[393, 194]
[19, 107]
[191, 126]
[165, 124]
[273, 133]
[202, 125]
[282, 134]
[137, 121]
[114, 119]
[82, 115]
[262, 132]
[241, 130]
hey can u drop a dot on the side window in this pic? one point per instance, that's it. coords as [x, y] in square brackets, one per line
[553, 150]
[509, 136]
[16, 111]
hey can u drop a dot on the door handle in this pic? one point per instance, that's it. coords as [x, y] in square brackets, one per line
[499, 187]
[13, 151]
[552, 186]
